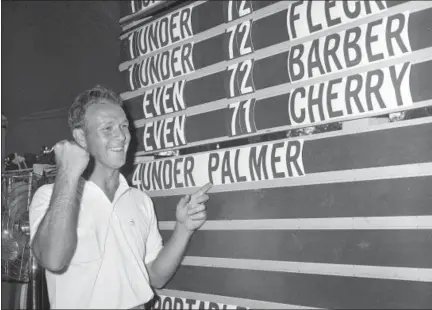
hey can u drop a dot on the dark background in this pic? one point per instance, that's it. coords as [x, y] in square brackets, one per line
[52, 51]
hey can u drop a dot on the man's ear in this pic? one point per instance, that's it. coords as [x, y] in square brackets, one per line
[79, 137]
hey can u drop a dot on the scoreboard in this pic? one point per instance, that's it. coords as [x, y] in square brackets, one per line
[201, 72]
[259, 66]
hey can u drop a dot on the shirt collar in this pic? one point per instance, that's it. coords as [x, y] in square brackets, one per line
[122, 188]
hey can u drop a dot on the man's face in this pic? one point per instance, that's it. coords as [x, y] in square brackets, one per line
[107, 134]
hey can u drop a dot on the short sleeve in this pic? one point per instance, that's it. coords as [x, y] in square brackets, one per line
[154, 239]
[38, 207]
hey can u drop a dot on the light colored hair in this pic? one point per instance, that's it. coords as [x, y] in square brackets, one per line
[97, 94]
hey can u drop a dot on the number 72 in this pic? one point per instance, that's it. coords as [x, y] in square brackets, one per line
[238, 8]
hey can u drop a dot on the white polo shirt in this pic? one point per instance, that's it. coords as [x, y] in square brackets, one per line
[107, 270]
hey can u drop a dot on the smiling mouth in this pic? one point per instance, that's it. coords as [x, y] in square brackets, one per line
[117, 149]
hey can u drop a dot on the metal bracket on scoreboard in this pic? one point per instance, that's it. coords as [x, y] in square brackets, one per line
[356, 124]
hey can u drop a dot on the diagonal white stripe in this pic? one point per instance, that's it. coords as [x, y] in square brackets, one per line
[361, 271]
[334, 223]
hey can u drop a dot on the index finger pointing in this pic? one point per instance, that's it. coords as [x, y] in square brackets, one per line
[203, 189]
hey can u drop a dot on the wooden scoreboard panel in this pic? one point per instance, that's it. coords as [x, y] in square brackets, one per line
[334, 220]
[297, 73]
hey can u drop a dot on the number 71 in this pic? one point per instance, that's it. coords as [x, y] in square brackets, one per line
[242, 120]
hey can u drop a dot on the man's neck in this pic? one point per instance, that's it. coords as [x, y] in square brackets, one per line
[108, 180]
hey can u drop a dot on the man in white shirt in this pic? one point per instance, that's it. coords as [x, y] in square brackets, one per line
[98, 238]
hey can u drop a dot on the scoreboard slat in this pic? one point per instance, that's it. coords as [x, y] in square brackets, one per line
[321, 291]
[290, 158]
[372, 198]
[390, 248]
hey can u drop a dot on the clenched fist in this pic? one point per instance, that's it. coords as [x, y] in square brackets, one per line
[71, 158]
[191, 210]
